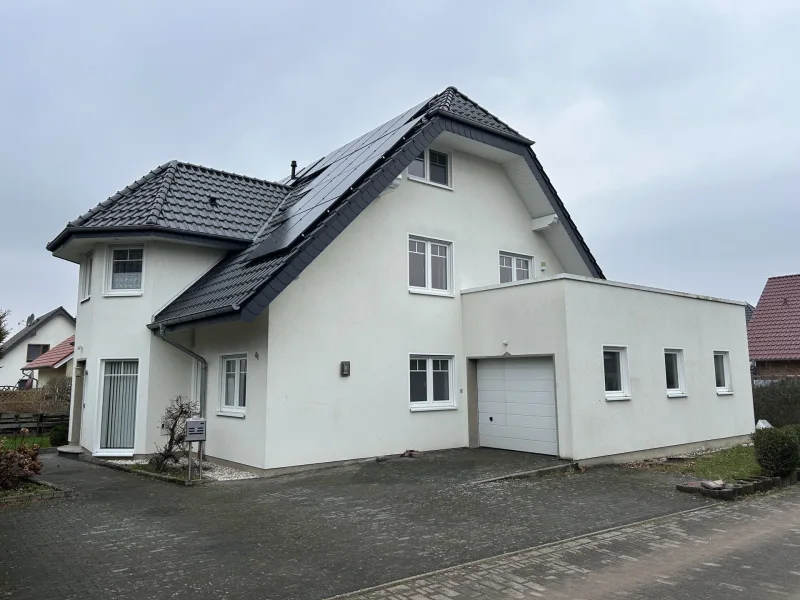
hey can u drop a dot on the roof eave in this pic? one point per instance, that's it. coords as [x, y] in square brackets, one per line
[481, 126]
[128, 230]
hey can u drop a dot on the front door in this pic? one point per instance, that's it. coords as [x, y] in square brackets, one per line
[119, 388]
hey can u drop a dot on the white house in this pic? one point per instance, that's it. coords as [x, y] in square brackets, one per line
[420, 287]
[37, 337]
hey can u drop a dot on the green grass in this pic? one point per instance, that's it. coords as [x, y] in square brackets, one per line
[14, 441]
[729, 464]
[27, 487]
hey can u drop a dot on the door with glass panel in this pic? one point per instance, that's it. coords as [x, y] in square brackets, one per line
[118, 421]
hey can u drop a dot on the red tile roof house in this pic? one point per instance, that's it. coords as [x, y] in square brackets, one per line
[774, 331]
[56, 362]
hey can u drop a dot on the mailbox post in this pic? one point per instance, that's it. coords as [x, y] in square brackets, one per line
[196, 432]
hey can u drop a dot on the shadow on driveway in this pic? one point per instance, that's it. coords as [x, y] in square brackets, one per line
[310, 535]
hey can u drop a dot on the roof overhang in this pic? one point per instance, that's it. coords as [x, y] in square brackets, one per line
[73, 242]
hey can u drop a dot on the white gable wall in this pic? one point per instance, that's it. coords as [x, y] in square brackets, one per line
[55, 331]
[352, 303]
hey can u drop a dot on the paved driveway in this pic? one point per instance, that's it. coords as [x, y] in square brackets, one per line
[310, 535]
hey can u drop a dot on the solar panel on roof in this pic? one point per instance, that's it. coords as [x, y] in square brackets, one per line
[337, 173]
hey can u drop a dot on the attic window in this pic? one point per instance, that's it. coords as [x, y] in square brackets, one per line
[432, 167]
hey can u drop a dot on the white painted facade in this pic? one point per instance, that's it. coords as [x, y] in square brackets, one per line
[353, 303]
[573, 318]
[53, 332]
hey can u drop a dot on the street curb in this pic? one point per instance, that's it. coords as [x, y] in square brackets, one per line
[158, 476]
[56, 491]
[516, 552]
[541, 472]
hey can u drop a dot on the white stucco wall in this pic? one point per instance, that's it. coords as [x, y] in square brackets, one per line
[352, 303]
[115, 327]
[531, 317]
[55, 331]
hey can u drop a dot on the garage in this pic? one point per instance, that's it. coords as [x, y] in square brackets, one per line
[517, 405]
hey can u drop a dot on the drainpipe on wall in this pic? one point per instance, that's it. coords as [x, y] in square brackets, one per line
[161, 332]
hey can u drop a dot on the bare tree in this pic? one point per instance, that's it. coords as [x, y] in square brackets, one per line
[5, 328]
[179, 409]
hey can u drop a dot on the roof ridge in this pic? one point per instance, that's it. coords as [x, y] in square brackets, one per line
[232, 174]
[161, 194]
[478, 106]
[783, 276]
[120, 194]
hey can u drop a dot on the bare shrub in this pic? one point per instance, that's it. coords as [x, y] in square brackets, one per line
[18, 463]
[179, 409]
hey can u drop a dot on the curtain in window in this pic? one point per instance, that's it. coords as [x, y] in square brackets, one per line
[119, 403]
[438, 267]
[126, 272]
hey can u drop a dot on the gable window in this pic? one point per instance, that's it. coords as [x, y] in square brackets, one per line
[615, 370]
[233, 383]
[431, 382]
[86, 277]
[674, 371]
[514, 267]
[35, 351]
[431, 166]
[722, 372]
[125, 270]
[429, 266]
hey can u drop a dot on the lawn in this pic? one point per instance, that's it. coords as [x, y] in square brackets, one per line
[729, 464]
[13, 441]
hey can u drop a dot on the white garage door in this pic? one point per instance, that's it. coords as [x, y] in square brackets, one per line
[517, 405]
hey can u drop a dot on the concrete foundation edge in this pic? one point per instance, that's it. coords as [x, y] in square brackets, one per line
[627, 457]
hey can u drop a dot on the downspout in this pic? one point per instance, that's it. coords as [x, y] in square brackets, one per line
[161, 332]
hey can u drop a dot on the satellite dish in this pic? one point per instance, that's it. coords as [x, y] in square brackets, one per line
[30, 320]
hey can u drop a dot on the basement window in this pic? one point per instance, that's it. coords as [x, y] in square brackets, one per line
[431, 166]
[615, 370]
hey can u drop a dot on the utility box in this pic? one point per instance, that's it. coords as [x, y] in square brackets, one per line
[195, 430]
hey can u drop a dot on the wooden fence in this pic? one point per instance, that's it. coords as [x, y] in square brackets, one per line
[35, 423]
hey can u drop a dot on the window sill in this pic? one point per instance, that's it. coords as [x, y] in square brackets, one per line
[231, 414]
[677, 395]
[618, 398]
[427, 182]
[431, 293]
[429, 408]
[85, 300]
[122, 294]
[724, 392]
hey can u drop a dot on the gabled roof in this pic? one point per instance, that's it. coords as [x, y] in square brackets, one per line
[184, 198]
[28, 331]
[282, 227]
[749, 309]
[54, 357]
[774, 330]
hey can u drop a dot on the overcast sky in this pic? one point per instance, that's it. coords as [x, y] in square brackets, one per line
[670, 129]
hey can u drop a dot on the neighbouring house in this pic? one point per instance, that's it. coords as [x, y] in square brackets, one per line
[749, 309]
[53, 364]
[422, 287]
[37, 337]
[774, 330]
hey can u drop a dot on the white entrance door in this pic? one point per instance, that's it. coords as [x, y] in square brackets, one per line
[517, 405]
[118, 419]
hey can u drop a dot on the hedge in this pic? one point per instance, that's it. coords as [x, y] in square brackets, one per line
[777, 402]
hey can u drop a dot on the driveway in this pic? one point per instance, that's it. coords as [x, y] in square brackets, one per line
[309, 535]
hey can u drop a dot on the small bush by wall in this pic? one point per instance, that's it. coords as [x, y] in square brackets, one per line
[59, 436]
[777, 402]
[777, 451]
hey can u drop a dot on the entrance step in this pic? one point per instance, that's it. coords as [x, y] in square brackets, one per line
[70, 451]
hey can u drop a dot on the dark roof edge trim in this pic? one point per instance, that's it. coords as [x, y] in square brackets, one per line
[208, 317]
[144, 230]
[482, 127]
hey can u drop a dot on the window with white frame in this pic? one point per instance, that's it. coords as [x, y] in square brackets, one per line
[615, 370]
[431, 166]
[233, 383]
[514, 267]
[674, 371]
[125, 270]
[722, 372]
[86, 277]
[429, 265]
[431, 382]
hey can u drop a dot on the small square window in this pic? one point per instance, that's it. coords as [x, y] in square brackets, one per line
[514, 267]
[431, 382]
[615, 370]
[431, 166]
[429, 266]
[674, 372]
[722, 372]
[125, 270]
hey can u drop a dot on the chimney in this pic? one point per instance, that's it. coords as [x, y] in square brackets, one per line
[294, 167]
